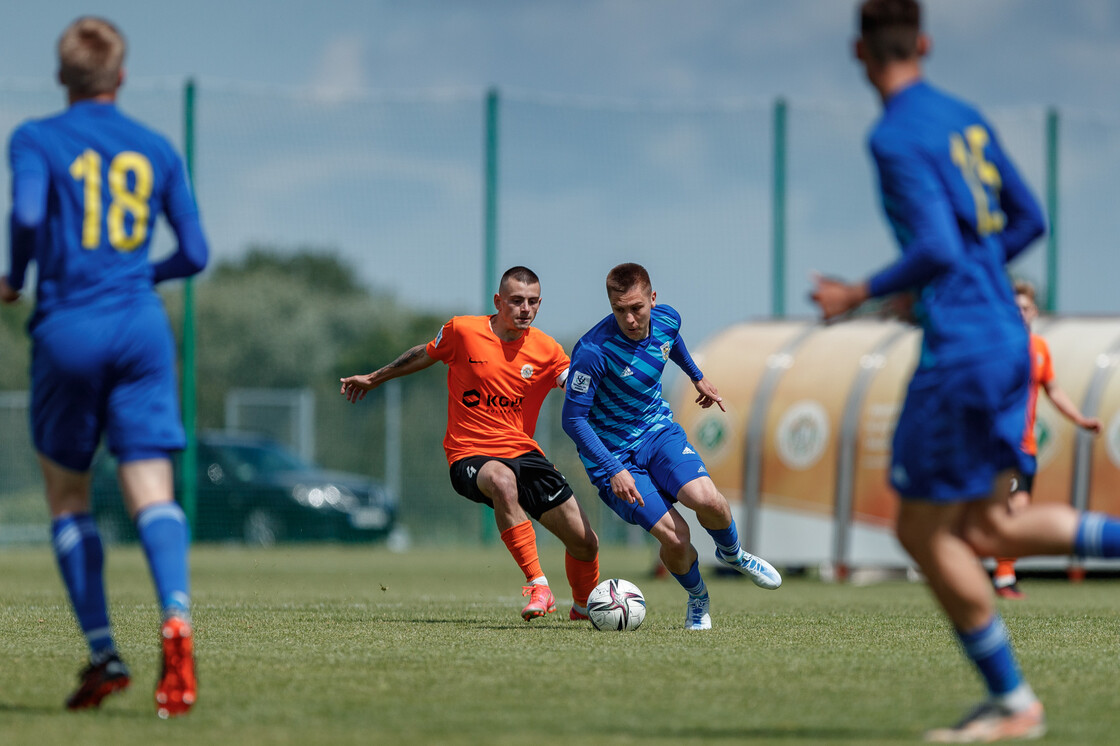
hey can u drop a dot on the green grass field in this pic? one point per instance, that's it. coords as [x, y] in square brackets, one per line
[327, 644]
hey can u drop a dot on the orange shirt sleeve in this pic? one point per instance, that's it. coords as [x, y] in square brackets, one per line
[445, 344]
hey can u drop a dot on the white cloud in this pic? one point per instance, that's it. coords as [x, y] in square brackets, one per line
[340, 71]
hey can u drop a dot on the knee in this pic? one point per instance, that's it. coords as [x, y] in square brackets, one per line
[500, 485]
[585, 547]
[676, 544]
[707, 501]
[983, 537]
[67, 500]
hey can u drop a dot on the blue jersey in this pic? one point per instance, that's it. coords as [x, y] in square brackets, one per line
[614, 403]
[87, 187]
[960, 212]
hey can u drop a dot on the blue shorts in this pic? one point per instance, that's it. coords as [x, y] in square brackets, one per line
[97, 372]
[960, 427]
[660, 467]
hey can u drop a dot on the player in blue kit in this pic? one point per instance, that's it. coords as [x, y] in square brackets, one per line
[960, 212]
[635, 454]
[87, 186]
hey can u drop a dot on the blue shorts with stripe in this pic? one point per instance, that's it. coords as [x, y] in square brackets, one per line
[105, 372]
[959, 427]
[660, 468]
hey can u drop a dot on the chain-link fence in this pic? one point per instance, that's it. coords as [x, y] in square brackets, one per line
[395, 184]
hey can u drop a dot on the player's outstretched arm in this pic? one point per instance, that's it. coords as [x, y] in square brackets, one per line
[708, 394]
[354, 388]
[835, 297]
[1065, 405]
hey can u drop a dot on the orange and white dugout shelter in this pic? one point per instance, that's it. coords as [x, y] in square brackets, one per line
[803, 451]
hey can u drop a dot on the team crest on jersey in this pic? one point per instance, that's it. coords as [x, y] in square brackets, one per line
[526, 371]
[665, 350]
[581, 382]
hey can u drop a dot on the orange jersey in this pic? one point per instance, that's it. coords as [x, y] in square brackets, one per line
[494, 389]
[1042, 372]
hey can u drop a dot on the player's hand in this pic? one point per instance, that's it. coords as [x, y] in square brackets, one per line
[1092, 424]
[8, 294]
[836, 297]
[354, 388]
[624, 487]
[708, 395]
[901, 306]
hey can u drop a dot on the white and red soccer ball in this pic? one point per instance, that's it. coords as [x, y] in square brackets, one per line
[616, 604]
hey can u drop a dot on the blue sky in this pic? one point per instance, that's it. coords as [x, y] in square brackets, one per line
[649, 123]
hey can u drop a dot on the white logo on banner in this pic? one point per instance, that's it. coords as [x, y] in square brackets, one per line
[802, 434]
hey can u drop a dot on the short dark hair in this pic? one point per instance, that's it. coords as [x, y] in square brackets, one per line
[90, 56]
[521, 274]
[890, 28]
[625, 276]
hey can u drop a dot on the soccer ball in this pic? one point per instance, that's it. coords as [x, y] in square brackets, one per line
[616, 604]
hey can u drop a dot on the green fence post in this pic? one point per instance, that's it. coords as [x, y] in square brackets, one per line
[490, 241]
[1052, 210]
[778, 199]
[189, 467]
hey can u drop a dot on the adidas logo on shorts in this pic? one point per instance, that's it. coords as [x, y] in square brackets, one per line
[688, 452]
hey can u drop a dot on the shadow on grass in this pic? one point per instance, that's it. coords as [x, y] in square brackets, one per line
[792, 733]
[15, 707]
[111, 713]
[476, 624]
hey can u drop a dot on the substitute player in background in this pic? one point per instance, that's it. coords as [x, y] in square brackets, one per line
[499, 370]
[87, 186]
[1042, 376]
[960, 212]
[634, 453]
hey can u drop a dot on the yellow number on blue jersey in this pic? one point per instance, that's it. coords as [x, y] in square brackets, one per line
[87, 168]
[981, 175]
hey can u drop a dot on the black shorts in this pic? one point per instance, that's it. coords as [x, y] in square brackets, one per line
[540, 485]
[1023, 483]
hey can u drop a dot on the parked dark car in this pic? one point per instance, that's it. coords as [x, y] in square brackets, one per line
[252, 489]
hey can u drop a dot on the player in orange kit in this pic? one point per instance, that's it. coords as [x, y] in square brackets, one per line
[1042, 376]
[499, 370]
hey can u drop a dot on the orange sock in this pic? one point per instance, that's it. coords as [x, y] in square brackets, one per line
[521, 541]
[583, 576]
[1005, 571]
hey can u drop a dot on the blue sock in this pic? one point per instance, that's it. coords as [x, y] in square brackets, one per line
[726, 539]
[989, 649]
[1098, 535]
[81, 558]
[164, 536]
[691, 580]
